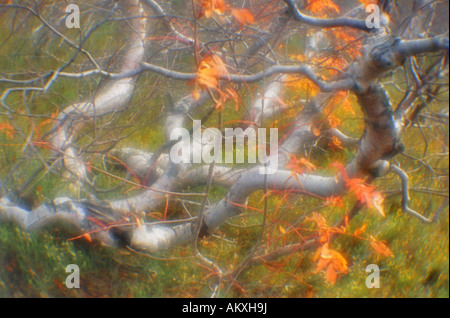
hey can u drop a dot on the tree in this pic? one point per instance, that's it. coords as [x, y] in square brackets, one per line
[307, 68]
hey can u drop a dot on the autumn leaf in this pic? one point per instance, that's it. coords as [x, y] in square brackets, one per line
[208, 7]
[87, 237]
[323, 7]
[302, 85]
[322, 257]
[360, 230]
[368, 2]
[366, 194]
[332, 260]
[319, 219]
[346, 41]
[334, 201]
[347, 105]
[339, 262]
[324, 230]
[380, 247]
[225, 95]
[243, 16]
[209, 72]
[335, 143]
[331, 275]
[333, 121]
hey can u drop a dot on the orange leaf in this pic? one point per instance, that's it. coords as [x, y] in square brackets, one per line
[367, 2]
[348, 106]
[366, 194]
[316, 131]
[334, 121]
[210, 70]
[360, 230]
[87, 237]
[324, 257]
[380, 247]
[335, 143]
[331, 275]
[323, 7]
[339, 262]
[303, 85]
[243, 16]
[332, 260]
[208, 7]
[334, 201]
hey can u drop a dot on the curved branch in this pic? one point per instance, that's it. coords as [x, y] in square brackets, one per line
[343, 84]
[115, 96]
[326, 23]
[405, 194]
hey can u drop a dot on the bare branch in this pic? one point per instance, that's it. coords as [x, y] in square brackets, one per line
[326, 23]
[404, 178]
